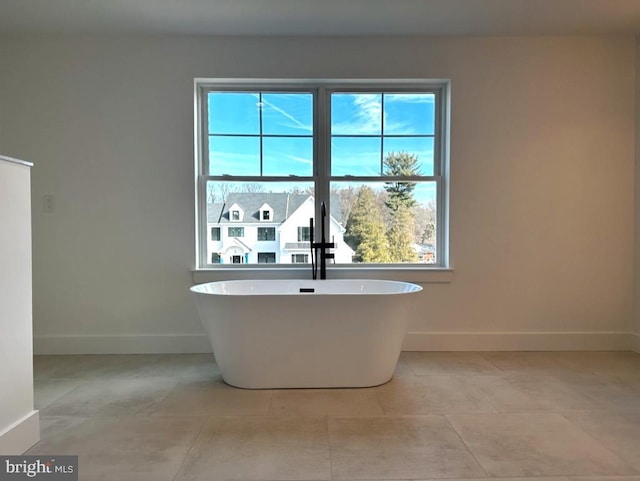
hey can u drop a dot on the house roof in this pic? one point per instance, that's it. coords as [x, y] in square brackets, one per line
[283, 206]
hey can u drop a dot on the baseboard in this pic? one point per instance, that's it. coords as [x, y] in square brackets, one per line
[518, 341]
[21, 435]
[415, 341]
[137, 344]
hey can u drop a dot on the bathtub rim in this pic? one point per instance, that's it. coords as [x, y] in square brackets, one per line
[304, 283]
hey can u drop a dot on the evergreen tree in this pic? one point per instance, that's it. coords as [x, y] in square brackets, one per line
[365, 231]
[400, 236]
[400, 202]
[400, 193]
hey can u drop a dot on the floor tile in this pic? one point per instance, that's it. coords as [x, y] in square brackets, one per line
[409, 447]
[46, 391]
[259, 448]
[620, 432]
[618, 363]
[449, 363]
[94, 366]
[213, 399]
[325, 402]
[520, 393]
[111, 398]
[432, 395]
[539, 444]
[128, 448]
[609, 391]
[51, 426]
[532, 362]
[604, 478]
[183, 367]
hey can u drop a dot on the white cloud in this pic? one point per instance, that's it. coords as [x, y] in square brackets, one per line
[302, 160]
[410, 98]
[295, 123]
[367, 115]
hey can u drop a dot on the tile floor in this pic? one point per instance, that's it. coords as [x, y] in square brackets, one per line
[549, 416]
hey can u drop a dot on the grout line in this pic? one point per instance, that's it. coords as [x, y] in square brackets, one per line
[446, 417]
[329, 446]
[193, 443]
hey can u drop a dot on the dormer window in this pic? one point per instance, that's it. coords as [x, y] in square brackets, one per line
[235, 213]
[266, 213]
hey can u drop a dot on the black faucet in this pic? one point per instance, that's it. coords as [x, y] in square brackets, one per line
[321, 248]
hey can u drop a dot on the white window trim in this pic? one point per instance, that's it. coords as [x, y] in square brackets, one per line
[440, 272]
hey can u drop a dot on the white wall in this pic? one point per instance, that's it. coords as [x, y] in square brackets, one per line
[542, 180]
[18, 420]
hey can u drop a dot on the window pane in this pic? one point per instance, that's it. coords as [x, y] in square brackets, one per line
[387, 222]
[234, 113]
[356, 114]
[266, 257]
[287, 114]
[419, 147]
[234, 155]
[287, 156]
[409, 114]
[266, 233]
[355, 156]
[293, 201]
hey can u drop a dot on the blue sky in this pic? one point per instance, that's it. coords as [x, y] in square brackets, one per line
[357, 122]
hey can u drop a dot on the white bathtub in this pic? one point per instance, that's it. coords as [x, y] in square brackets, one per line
[269, 334]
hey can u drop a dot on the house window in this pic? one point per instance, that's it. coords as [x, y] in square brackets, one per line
[215, 234]
[375, 152]
[236, 231]
[215, 258]
[266, 257]
[266, 233]
[304, 234]
[299, 258]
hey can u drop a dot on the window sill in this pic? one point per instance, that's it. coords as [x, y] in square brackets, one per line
[420, 275]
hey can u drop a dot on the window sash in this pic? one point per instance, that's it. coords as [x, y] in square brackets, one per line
[235, 231]
[266, 233]
[322, 177]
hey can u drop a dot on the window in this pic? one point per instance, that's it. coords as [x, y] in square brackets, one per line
[304, 234]
[266, 233]
[215, 258]
[266, 257]
[236, 231]
[374, 152]
[215, 234]
[299, 258]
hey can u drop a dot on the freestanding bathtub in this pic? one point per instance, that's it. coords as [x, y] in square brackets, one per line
[305, 334]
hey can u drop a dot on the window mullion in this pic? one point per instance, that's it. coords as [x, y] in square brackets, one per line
[323, 158]
[382, 134]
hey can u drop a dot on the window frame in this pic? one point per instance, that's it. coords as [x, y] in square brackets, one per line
[321, 177]
[239, 229]
[264, 230]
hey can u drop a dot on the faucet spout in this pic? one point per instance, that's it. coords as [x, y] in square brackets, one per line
[320, 250]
